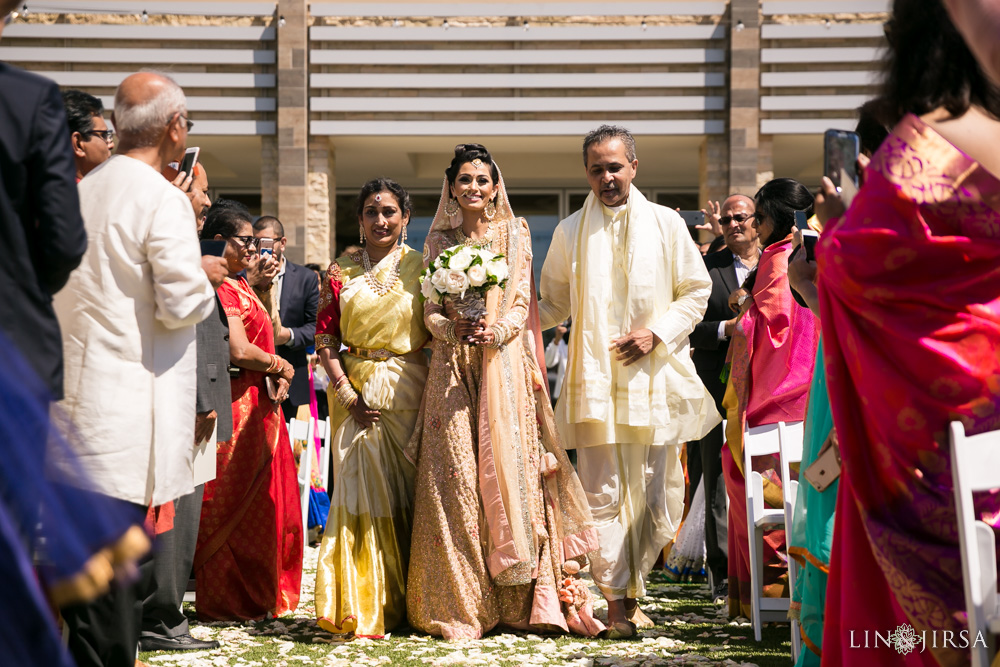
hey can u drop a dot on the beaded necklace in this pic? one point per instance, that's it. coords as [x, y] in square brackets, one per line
[381, 288]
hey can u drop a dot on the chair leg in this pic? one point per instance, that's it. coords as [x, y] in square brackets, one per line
[796, 641]
[756, 578]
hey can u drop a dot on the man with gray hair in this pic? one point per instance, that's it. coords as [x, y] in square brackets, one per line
[628, 273]
[128, 318]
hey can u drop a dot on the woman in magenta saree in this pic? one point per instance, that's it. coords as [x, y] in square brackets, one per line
[909, 289]
[248, 561]
[772, 353]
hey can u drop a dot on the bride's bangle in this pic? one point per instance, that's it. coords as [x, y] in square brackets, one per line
[449, 333]
[346, 395]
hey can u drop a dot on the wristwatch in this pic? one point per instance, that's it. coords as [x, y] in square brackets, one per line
[739, 301]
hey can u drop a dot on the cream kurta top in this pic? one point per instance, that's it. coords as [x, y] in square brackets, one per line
[667, 295]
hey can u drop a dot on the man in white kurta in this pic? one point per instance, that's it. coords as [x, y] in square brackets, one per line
[635, 284]
[128, 317]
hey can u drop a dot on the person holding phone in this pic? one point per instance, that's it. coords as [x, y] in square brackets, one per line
[243, 573]
[769, 368]
[907, 286]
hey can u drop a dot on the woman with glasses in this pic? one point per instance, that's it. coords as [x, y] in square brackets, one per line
[770, 366]
[248, 561]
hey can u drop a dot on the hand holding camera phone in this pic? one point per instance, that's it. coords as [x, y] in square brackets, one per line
[809, 235]
[840, 162]
[266, 247]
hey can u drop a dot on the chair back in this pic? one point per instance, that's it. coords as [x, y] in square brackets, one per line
[975, 466]
[758, 441]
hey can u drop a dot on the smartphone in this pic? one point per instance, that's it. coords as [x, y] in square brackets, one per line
[265, 246]
[190, 158]
[840, 157]
[693, 218]
[809, 236]
[212, 247]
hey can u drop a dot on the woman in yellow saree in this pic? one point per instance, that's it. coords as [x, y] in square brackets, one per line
[369, 335]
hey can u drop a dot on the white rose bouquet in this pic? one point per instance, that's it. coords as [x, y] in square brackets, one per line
[463, 274]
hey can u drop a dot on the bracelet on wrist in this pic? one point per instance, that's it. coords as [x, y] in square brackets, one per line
[449, 333]
[346, 395]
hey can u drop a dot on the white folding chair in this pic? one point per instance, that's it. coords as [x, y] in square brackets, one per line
[762, 441]
[323, 432]
[303, 432]
[790, 438]
[975, 466]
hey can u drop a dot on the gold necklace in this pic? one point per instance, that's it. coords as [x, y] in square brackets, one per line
[484, 240]
[380, 288]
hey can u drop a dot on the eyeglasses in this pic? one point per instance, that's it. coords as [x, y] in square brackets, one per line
[740, 219]
[107, 135]
[276, 239]
[247, 241]
[186, 120]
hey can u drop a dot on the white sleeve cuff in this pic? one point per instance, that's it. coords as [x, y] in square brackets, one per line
[722, 330]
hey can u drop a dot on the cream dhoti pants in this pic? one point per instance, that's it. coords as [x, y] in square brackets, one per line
[636, 494]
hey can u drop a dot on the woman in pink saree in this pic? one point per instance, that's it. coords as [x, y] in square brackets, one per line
[771, 358]
[500, 521]
[909, 290]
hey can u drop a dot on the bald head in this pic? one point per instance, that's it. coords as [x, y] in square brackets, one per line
[732, 199]
[145, 104]
[737, 223]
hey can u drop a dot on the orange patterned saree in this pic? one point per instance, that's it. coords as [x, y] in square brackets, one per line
[909, 285]
[248, 561]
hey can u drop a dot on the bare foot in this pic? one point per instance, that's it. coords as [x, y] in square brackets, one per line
[636, 615]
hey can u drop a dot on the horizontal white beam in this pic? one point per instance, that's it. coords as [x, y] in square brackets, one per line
[818, 78]
[206, 103]
[187, 33]
[445, 128]
[854, 54]
[805, 126]
[517, 34]
[233, 127]
[563, 104]
[183, 79]
[153, 7]
[518, 80]
[46, 54]
[799, 7]
[822, 31]
[812, 102]
[513, 56]
[442, 9]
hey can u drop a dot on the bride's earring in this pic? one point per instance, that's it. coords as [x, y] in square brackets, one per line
[402, 237]
[490, 211]
[451, 208]
[361, 235]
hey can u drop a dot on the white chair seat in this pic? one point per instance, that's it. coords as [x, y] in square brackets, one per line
[770, 518]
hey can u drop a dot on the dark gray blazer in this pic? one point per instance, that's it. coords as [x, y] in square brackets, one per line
[297, 306]
[709, 352]
[214, 392]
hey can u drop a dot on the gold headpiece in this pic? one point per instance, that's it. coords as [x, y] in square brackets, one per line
[477, 163]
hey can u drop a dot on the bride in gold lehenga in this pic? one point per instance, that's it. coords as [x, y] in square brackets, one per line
[499, 510]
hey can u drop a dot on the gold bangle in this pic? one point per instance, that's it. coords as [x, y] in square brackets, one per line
[449, 333]
[346, 396]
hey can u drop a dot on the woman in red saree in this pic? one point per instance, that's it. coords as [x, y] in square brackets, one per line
[771, 358]
[909, 290]
[248, 561]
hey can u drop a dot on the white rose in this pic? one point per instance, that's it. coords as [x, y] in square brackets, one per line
[427, 288]
[460, 260]
[439, 279]
[477, 275]
[456, 282]
[498, 269]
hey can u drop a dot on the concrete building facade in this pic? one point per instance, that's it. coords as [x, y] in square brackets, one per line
[297, 103]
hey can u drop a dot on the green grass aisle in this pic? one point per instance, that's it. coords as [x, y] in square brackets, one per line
[689, 630]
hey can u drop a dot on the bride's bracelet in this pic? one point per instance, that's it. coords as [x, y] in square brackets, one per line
[346, 396]
[449, 333]
[500, 334]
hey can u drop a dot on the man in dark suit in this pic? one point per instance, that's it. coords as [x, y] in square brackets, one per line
[298, 297]
[42, 237]
[710, 341]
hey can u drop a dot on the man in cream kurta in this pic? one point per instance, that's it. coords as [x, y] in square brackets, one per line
[128, 317]
[635, 284]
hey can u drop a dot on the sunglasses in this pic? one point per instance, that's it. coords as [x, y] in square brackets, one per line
[186, 120]
[247, 241]
[740, 219]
